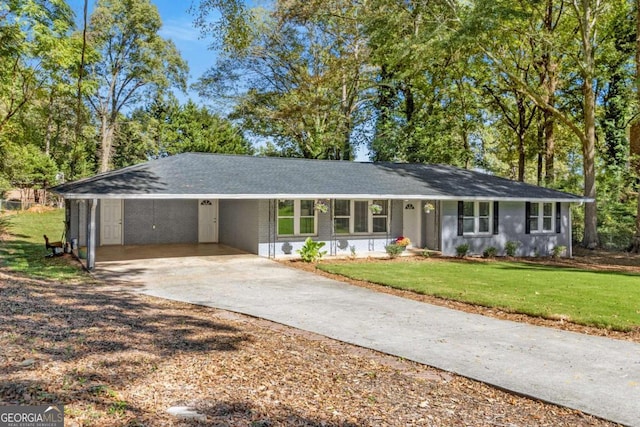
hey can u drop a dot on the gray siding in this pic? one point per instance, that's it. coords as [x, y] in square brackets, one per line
[73, 211]
[511, 227]
[148, 222]
[335, 245]
[71, 217]
[238, 222]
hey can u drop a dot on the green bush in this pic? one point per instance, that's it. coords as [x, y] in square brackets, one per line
[311, 252]
[462, 250]
[559, 251]
[352, 248]
[490, 252]
[393, 250]
[511, 247]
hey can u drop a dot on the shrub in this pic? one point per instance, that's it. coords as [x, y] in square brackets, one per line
[311, 252]
[393, 249]
[462, 250]
[511, 247]
[559, 251]
[352, 248]
[490, 252]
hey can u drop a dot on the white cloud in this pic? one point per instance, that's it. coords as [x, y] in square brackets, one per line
[181, 31]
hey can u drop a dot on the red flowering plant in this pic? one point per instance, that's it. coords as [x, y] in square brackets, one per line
[402, 241]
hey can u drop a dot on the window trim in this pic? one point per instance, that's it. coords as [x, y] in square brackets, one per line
[296, 218]
[540, 218]
[370, 217]
[476, 218]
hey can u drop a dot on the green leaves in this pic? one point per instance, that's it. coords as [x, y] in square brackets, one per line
[311, 250]
[134, 60]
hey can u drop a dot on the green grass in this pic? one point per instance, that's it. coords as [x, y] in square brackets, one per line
[596, 298]
[25, 252]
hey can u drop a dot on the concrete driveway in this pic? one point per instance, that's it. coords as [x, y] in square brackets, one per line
[596, 375]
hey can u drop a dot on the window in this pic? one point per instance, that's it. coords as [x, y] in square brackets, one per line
[296, 218]
[541, 217]
[342, 216]
[380, 219]
[476, 217]
[360, 216]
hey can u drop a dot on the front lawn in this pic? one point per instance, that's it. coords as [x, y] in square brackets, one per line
[24, 250]
[595, 298]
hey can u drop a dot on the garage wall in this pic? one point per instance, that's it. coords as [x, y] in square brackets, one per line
[238, 224]
[148, 222]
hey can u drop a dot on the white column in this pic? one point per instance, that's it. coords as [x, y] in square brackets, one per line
[91, 246]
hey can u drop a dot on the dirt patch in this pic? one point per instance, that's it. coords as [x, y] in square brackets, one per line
[114, 358]
[585, 259]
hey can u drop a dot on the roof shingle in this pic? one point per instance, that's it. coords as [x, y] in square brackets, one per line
[199, 175]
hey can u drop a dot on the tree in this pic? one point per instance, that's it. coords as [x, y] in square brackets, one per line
[586, 19]
[28, 168]
[635, 133]
[196, 129]
[134, 60]
[426, 110]
[164, 128]
[302, 67]
[34, 45]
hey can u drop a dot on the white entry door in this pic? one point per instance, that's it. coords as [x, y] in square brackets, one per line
[208, 221]
[411, 222]
[110, 222]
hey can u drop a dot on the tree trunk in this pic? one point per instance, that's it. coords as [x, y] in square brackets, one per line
[522, 129]
[521, 158]
[549, 146]
[634, 145]
[346, 113]
[550, 80]
[49, 128]
[106, 143]
[590, 239]
[76, 152]
[634, 142]
[540, 139]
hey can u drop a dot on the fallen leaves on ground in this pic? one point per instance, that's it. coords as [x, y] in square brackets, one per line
[116, 358]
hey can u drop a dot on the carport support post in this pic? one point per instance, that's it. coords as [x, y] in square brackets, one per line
[91, 246]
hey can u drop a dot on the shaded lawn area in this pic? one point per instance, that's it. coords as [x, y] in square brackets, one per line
[595, 298]
[25, 251]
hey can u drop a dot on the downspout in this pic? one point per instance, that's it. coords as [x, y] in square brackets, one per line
[570, 231]
[273, 225]
[269, 230]
[332, 233]
[91, 247]
[391, 205]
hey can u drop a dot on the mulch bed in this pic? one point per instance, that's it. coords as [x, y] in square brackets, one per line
[115, 358]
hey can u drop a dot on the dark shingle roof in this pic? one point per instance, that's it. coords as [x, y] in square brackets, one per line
[197, 175]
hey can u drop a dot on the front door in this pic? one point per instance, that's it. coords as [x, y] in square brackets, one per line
[411, 222]
[110, 222]
[208, 221]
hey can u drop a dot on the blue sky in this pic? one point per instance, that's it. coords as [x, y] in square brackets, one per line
[177, 25]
